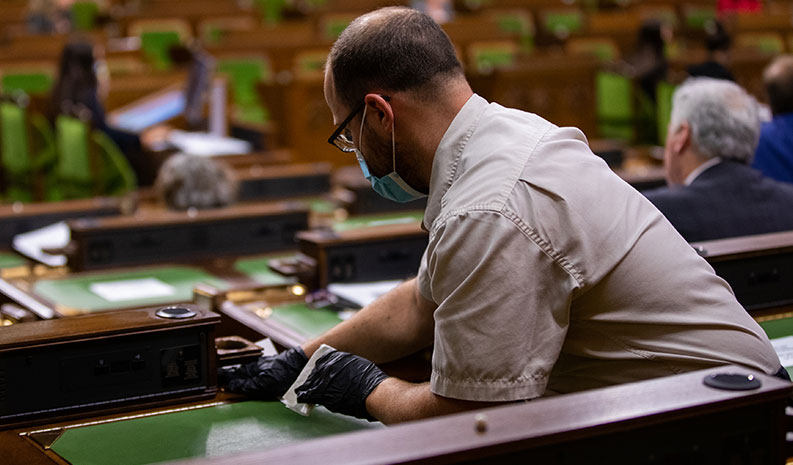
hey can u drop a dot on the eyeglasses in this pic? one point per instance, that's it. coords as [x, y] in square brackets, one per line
[342, 136]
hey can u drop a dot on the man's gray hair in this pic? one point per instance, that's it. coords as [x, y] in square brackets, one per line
[723, 118]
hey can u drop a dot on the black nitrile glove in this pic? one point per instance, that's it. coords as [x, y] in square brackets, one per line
[266, 378]
[341, 382]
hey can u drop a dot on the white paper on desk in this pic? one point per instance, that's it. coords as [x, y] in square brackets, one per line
[363, 293]
[290, 398]
[784, 349]
[207, 145]
[32, 243]
[132, 289]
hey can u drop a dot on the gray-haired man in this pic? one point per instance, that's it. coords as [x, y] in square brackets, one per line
[712, 192]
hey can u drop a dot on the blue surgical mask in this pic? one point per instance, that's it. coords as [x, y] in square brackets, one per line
[390, 186]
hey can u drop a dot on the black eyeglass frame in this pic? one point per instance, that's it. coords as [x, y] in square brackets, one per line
[340, 128]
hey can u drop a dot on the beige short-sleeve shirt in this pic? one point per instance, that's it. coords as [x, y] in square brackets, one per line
[551, 274]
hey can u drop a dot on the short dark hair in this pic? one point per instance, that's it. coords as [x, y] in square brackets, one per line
[778, 78]
[393, 48]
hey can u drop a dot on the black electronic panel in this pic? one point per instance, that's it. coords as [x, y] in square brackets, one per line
[76, 370]
[759, 281]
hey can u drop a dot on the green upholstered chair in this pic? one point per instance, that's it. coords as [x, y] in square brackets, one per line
[156, 47]
[30, 82]
[563, 23]
[15, 156]
[520, 24]
[116, 176]
[664, 92]
[615, 113]
[487, 56]
[84, 15]
[75, 176]
[698, 16]
[89, 163]
[332, 24]
[271, 11]
[245, 73]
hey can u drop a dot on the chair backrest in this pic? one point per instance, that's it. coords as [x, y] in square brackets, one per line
[29, 82]
[15, 149]
[484, 57]
[664, 92]
[615, 113]
[156, 46]
[15, 154]
[74, 172]
[117, 176]
[84, 15]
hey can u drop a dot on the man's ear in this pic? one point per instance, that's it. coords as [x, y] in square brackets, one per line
[681, 138]
[379, 109]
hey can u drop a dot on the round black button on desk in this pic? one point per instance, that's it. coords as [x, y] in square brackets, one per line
[175, 313]
[732, 381]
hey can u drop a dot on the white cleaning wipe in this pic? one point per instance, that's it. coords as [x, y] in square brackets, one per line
[290, 398]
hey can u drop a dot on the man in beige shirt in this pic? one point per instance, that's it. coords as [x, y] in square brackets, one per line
[544, 272]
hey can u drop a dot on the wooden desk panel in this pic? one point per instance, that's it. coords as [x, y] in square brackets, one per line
[758, 268]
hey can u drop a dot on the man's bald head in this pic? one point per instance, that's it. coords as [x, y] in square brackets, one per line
[778, 78]
[392, 49]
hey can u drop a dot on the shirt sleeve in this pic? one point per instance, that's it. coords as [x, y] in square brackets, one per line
[503, 308]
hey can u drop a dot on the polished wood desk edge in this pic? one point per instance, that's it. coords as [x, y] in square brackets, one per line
[746, 246]
[96, 326]
[538, 423]
[157, 217]
[385, 232]
[78, 206]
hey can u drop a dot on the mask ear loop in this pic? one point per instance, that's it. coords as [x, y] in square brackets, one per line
[393, 145]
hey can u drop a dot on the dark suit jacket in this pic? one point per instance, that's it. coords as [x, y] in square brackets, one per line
[726, 200]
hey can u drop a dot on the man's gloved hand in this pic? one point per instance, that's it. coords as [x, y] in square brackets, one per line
[341, 382]
[266, 378]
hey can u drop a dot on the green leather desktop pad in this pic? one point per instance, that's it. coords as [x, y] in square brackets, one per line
[76, 292]
[10, 260]
[202, 432]
[369, 221]
[308, 322]
[257, 268]
[780, 332]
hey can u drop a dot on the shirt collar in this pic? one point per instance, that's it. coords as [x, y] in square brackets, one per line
[447, 155]
[701, 169]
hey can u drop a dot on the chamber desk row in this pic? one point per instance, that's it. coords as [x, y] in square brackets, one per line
[153, 264]
[139, 386]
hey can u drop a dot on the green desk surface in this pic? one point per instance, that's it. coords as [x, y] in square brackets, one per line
[775, 329]
[308, 322]
[779, 329]
[202, 432]
[258, 270]
[10, 260]
[369, 221]
[74, 292]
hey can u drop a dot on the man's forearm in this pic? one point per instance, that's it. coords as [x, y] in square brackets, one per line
[396, 401]
[397, 324]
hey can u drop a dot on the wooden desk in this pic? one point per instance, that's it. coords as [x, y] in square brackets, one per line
[166, 236]
[758, 268]
[669, 420]
[19, 218]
